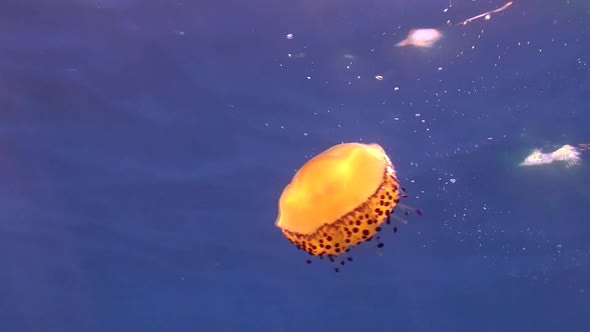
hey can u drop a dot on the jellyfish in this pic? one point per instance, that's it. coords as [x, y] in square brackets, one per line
[568, 154]
[339, 199]
[421, 38]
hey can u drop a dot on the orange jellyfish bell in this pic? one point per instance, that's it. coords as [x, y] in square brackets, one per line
[339, 199]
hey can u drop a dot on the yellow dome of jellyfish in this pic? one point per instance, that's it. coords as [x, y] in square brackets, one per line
[339, 199]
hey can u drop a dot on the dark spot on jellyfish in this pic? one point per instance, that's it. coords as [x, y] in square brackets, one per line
[365, 232]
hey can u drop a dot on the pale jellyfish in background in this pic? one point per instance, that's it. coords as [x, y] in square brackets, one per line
[567, 153]
[421, 38]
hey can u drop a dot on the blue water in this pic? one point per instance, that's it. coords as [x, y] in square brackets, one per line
[144, 145]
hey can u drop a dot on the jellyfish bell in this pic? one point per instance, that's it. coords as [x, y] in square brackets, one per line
[339, 199]
[421, 38]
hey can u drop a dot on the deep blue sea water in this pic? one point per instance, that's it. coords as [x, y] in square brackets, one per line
[144, 145]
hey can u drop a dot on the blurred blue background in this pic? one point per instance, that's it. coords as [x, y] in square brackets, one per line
[144, 145]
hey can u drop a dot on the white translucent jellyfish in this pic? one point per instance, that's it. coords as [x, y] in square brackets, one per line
[421, 38]
[568, 154]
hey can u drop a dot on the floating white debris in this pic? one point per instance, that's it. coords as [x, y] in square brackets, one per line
[487, 15]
